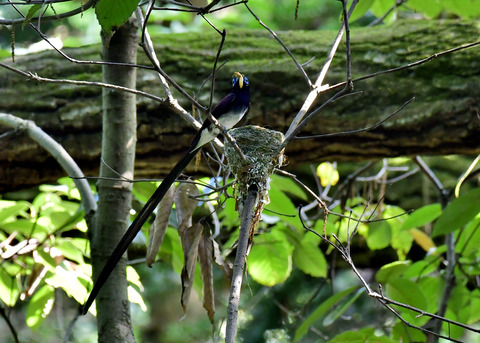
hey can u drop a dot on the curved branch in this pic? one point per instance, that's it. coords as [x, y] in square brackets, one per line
[58, 152]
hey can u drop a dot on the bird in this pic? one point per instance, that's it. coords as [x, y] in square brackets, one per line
[228, 112]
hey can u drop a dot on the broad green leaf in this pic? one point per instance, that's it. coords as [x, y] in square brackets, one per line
[111, 14]
[432, 288]
[11, 209]
[421, 268]
[26, 228]
[337, 312]
[309, 258]
[410, 293]
[474, 307]
[328, 174]
[69, 280]
[39, 306]
[31, 12]
[360, 9]
[392, 271]
[69, 250]
[468, 239]
[402, 333]
[365, 335]
[270, 260]
[458, 213]
[287, 185]
[280, 204]
[422, 216]
[381, 7]
[320, 311]
[45, 201]
[9, 288]
[429, 8]
[463, 8]
[379, 235]
[144, 190]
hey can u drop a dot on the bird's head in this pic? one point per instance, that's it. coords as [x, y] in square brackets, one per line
[239, 79]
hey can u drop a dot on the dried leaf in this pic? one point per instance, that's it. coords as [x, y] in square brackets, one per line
[159, 226]
[191, 237]
[185, 205]
[225, 267]
[205, 250]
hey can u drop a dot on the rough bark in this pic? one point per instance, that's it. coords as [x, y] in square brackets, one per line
[442, 120]
[112, 217]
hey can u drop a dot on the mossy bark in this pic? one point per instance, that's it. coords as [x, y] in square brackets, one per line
[442, 120]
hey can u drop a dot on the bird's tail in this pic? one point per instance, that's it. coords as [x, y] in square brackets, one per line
[136, 226]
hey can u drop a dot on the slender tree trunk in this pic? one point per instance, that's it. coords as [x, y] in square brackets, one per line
[118, 154]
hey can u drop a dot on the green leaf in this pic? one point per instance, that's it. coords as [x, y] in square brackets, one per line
[458, 213]
[422, 216]
[469, 239]
[70, 281]
[171, 250]
[360, 9]
[430, 8]
[112, 14]
[402, 333]
[9, 210]
[280, 204]
[40, 306]
[365, 335]
[379, 235]
[410, 293]
[392, 271]
[320, 312]
[69, 250]
[270, 260]
[309, 258]
[432, 288]
[347, 302]
[9, 288]
[463, 8]
[31, 12]
[287, 185]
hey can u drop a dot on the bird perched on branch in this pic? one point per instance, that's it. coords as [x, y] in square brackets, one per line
[229, 111]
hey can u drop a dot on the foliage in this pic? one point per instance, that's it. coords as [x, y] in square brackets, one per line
[45, 246]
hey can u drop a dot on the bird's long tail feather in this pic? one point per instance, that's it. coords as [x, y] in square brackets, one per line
[136, 226]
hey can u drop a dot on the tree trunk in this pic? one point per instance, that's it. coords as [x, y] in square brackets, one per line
[442, 120]
[118, 154]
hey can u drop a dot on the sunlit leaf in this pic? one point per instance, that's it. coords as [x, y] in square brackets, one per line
[364, 335]
[288, 185]
[422, 216]
[11, 209]
[360, 9]
[136, 298]
[379, 235]
[458, 213]
[31, 12]
[391, 271]
[309, 258]
[328, 174]
[40, 305]
[9, 288]
[283, 207]
[111, 14]
[270, 260]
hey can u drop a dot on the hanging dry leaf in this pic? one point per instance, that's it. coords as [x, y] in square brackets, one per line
[190, 237]
[159, 226]
[185, 205]
[225, 266]
[205, 250]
